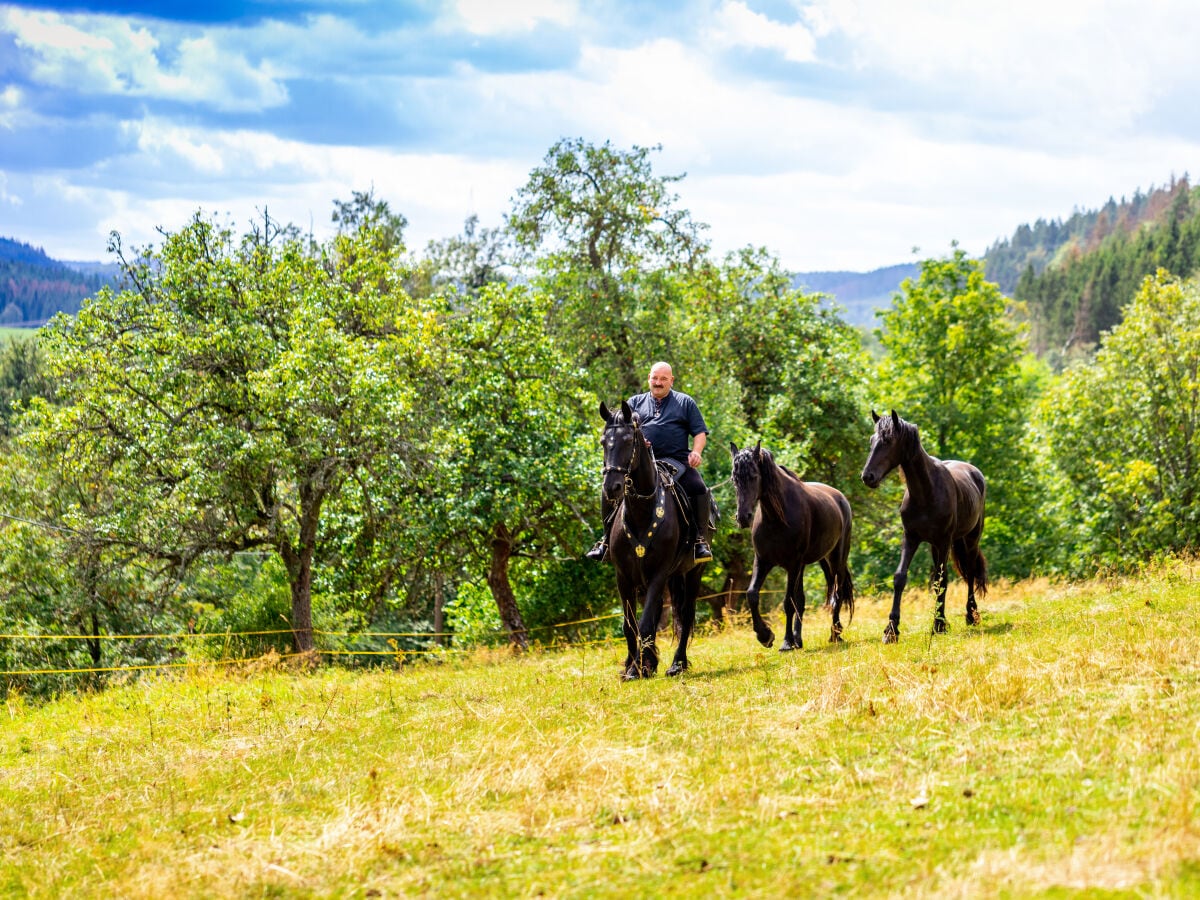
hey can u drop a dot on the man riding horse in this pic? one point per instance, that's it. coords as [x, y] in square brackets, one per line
[668, 418]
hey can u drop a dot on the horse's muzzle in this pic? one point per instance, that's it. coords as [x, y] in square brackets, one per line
[870, 479]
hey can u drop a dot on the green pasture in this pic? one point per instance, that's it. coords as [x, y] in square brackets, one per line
[7, 334]
[1053, 751]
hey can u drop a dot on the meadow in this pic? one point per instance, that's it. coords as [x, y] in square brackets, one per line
[1052, 751]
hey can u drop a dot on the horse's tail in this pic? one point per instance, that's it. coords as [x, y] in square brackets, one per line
[971, 564]
[845, 589]
[845, 583]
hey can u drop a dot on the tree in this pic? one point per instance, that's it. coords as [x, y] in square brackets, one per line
[956, 365]
[517, 467]
[225, 398]
[22, 377]
[609, 232]
[1123, 431]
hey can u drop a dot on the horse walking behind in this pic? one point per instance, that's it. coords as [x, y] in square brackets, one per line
[649, 546]
[943, 506]
[793, 523]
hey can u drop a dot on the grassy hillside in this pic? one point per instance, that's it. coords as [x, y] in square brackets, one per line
[1050, 751]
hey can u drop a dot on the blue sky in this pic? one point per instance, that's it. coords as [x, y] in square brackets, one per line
[839, 134]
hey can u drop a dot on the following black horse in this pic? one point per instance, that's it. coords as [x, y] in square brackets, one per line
[650, 544]
[793, 523]
[942, 505]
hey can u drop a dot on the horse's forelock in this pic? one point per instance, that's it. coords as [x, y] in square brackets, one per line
[903, 431]
[743, 466]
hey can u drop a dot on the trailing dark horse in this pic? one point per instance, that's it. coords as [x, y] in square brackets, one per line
[793, 524]
[942, 505]
[650, 544]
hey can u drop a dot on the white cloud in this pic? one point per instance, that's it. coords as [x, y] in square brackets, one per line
[494, 17]
[736, 25]
[1072, 63]
[105, 55]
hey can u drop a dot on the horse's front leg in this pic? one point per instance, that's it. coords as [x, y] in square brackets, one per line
[908, 546]
[793, 608]
[628, 593]
[683, 598]
[939, 577]
[758, 575]
[645, 656]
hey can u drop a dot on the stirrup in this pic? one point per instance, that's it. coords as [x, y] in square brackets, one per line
[599, 551]
[702, 552]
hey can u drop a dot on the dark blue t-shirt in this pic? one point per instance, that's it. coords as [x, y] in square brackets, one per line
[668, 427]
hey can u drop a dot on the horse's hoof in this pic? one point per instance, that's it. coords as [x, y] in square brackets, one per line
[676, 669]
[940, 626]
[891, 635]
[973, 617]
[766, 638]
[835, 636]
[788, 646]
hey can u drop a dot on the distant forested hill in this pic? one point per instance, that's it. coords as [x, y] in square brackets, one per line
[33, 287]
[1077, 275]
[860, 293]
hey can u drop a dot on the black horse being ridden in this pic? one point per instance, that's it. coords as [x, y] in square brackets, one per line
[942, 505]
[793, 524]
[649, 546]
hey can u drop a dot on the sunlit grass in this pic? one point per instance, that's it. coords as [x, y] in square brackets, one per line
[1054, 749]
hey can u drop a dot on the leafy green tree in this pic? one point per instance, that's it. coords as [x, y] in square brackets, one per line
[607, 232]
[22, 377]
[227, 396]
[1123, 431]
[956, 365]
[366, 212]
[467, 263]
[517, 466]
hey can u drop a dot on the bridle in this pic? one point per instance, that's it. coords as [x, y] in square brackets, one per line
[628, 492]
[639, 446]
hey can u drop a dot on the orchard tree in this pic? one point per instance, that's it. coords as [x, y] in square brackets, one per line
[224, 399]
[606, 231]
[517, 467]
[956, 365]
[1124, 430]
[797, 368]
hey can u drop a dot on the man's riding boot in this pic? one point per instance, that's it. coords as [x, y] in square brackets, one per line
[599, 551]
[701, 508]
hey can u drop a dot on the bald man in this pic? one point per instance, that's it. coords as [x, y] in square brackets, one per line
[669, 418]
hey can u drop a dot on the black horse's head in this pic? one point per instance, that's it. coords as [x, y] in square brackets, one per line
[623, 442]
[893, 442]
[747, 480]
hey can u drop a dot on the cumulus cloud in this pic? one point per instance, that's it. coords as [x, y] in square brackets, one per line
[736, 25]
[839, 136]
[105, 55]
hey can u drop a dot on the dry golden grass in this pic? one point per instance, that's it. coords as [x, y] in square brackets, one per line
[1053, 750]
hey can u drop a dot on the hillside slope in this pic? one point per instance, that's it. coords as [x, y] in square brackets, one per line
[1077, 276]
[33, 287]
[1049, 752]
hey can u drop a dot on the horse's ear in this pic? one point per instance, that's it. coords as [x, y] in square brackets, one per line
[627, 411]
[874, 416]
[895, 419]
[733, 450]
[758, 451]
[605, 412]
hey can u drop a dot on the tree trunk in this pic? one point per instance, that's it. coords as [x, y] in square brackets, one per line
[299, 560]
[502, 592]
[439, 607]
